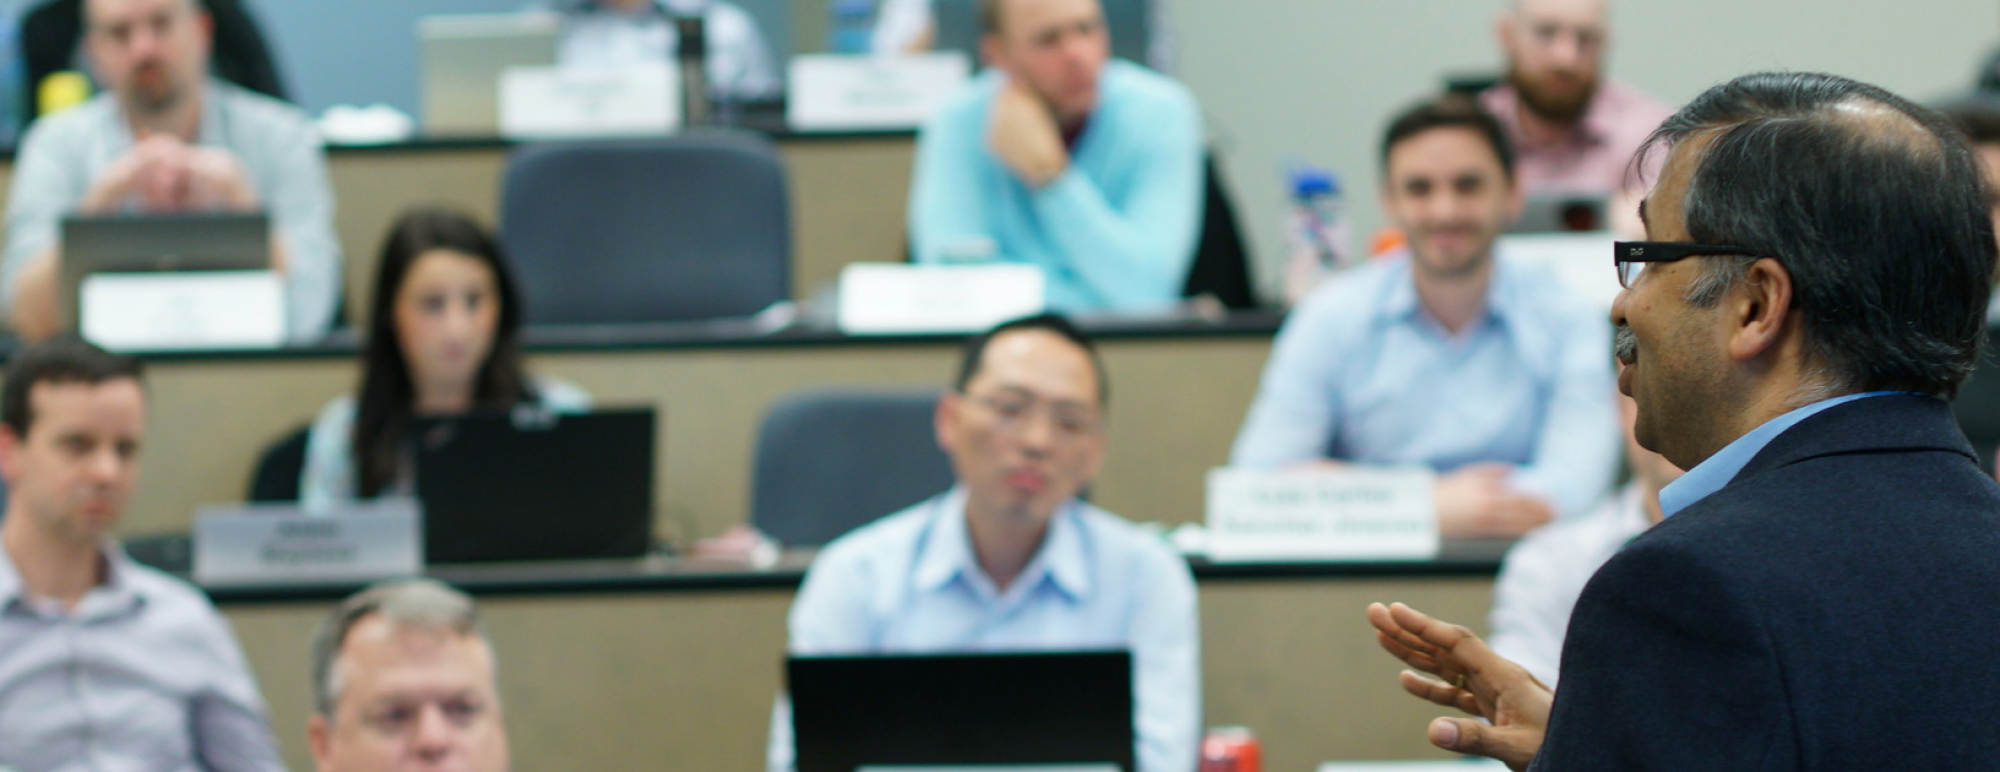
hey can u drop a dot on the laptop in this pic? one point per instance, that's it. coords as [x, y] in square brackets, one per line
[462, 57]
[938, 710]
[121, 243]
[535, 485]
[1562, 214]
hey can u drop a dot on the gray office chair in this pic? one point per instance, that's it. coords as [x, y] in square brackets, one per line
[831, 461]
[694, 226]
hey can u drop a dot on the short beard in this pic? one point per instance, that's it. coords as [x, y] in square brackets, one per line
[1561, 109]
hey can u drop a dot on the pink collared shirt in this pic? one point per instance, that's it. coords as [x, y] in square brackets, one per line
[1593, 156]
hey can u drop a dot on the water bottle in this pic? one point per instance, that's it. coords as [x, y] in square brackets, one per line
[1316, 240]
[691, 51]
[853, 26]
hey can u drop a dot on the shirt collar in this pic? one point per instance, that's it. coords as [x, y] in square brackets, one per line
[208, 132]
[945, 553]
[1710, 475]
[116, 594]
[1399, 300]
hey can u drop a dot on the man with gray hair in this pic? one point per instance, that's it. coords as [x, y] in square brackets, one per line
[403, 679]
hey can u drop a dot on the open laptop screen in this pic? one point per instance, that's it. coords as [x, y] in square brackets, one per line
[536, 485]
[962, 709]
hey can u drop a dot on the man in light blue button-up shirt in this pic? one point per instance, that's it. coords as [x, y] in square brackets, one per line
[1450, 356]
[1009, 559]
[105, 665]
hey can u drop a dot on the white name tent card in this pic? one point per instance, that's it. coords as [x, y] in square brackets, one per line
[280, 543]
[1321, 514]
[831, 92]
[559, 102]
[896, 297]
[166, 310]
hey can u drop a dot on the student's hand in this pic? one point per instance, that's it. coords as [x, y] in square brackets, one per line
[1476, 501]
[146, 171]
[1025, 137]
[1474, 679]
[216, 180]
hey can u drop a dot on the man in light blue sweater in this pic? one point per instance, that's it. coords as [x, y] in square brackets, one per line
[1059, 158]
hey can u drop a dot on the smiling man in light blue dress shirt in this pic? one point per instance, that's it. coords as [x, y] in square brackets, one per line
[1009, 559]
[105, 665]
[1450, 356]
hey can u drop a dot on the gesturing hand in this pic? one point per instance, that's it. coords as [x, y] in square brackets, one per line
[1475, 680]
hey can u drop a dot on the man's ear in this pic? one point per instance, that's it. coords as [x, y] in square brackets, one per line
[944, 420]
[1503, 31]
[319, 740]
[990, 55]
[1761, 309]
[10, 452]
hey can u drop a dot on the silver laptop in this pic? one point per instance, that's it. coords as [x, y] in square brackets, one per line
[462, 56]
[174, 242]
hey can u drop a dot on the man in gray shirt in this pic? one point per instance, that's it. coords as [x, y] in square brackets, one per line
[167, 138]
[105, 665]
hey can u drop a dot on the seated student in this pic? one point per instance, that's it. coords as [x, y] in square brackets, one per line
[612, 33]
[1545, 572]
[1010, 559]
[1454, 356]
[165, 138]
[1062, 158]
[105, 664]
[403, 678]
[443, 339]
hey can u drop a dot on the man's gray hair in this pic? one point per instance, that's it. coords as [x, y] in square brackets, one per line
[420, 604]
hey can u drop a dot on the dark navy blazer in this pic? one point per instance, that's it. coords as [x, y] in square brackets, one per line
[1835, 606]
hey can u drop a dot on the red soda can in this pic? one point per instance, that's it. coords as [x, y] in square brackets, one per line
[1231, 749]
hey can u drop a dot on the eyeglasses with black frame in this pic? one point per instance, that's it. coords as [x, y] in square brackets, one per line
[1631, 257]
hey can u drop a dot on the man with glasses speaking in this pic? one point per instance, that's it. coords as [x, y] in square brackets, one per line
[1820, 593]
[1450, 357]
[1009, 559]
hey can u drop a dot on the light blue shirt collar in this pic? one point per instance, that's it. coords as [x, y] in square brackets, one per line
[947, 553]
[1709, 476]
[1401, 303]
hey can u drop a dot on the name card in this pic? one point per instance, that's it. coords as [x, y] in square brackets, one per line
[280, 543]
[569, 102]
[836, 92]
[168, 310]
[1312, 515]
[897, 297]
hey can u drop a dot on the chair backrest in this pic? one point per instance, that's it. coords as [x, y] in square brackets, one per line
[1221, 267]
[276, 477]
[693, 226]
[829, 461]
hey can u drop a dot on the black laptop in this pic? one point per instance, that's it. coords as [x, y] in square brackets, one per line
[531, 484]
[961, 709]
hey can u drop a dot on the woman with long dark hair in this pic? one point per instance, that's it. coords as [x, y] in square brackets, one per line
[444, 332]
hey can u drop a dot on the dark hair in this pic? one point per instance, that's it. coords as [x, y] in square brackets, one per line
[1450, 111]
[1978, 117]
[989, 16]
[64, 359]
[975, 349]
[387, 395]
[1874, 205]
